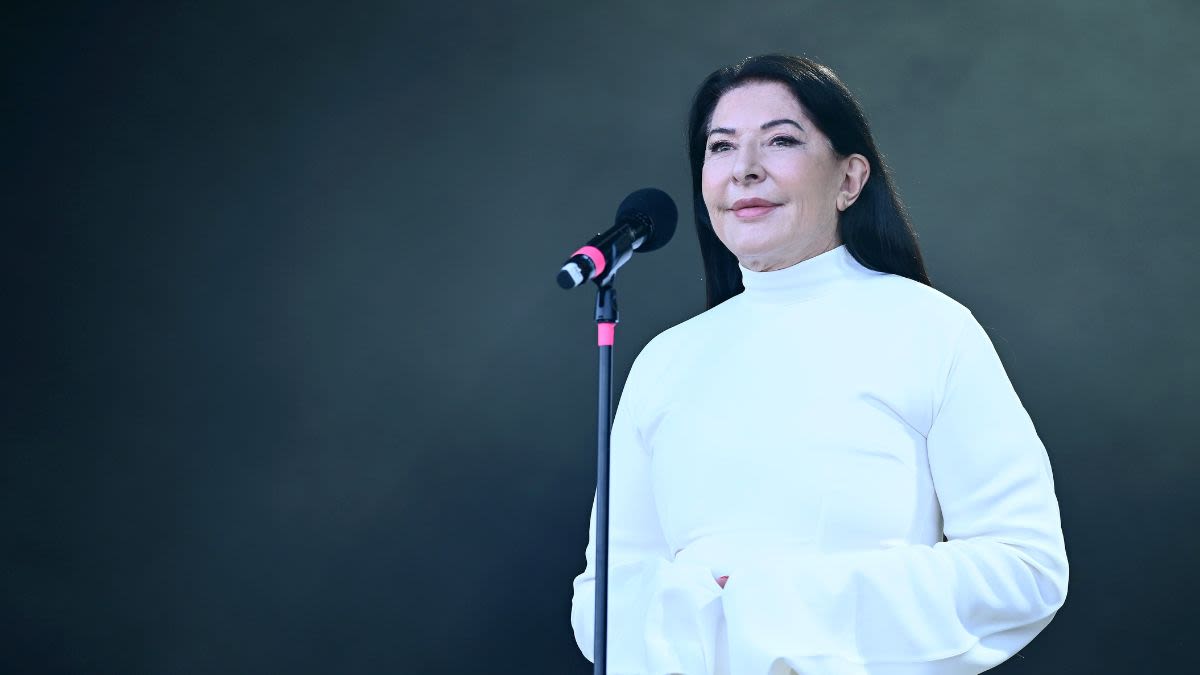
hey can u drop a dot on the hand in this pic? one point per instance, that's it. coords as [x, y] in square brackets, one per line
[721, 581]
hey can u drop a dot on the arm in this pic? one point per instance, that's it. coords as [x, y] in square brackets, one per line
[958, 607]
[662, 615]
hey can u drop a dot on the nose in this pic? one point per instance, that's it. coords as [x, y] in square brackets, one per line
[746, 168]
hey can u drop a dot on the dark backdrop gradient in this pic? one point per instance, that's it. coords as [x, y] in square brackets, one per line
[289, 386]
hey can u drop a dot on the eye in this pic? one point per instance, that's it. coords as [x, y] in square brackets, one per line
[718, 146]
[784, 141]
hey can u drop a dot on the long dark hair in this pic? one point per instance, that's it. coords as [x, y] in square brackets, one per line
[875, 228]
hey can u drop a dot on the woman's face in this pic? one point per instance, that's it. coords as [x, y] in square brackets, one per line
[771, 181]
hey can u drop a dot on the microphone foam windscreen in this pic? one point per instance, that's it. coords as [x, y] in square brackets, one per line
[654, 208]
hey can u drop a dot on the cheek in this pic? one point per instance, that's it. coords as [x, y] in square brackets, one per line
[709, 190]
[792, 175]
[706, 181]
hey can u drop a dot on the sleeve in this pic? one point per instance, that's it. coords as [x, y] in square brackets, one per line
[958, 607]
[662, 614]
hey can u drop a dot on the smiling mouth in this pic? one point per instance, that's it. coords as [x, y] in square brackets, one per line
[754, 211]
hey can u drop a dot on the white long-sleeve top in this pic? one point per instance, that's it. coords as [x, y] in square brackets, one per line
[813, 438]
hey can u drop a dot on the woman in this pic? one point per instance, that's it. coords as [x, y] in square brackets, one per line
[828, 471]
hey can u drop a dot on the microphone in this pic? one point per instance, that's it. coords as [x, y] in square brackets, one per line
[645, 222]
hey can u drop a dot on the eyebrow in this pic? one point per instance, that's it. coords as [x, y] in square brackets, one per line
[768, 125]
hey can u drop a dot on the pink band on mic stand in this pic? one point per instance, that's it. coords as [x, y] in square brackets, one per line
[596, 257]
[605, 332]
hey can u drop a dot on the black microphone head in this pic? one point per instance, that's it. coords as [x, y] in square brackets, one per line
[653, 209]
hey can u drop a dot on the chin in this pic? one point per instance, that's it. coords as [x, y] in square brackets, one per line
[753, 250]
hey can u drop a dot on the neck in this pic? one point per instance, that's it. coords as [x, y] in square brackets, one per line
[806, 279]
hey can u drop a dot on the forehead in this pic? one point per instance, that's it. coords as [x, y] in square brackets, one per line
[754, 103]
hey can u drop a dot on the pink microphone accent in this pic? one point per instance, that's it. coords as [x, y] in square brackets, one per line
[596, 256]
[605, 332]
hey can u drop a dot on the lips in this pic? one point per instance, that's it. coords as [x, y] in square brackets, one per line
[752, 208]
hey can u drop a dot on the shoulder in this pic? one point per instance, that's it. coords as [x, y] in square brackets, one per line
[665, 348]
[702, 327]
[901, 300]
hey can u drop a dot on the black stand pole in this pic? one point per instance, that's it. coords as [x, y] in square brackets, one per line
[606, 322]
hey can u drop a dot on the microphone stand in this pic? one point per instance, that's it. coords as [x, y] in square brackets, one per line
[645, 221]
[606, 323]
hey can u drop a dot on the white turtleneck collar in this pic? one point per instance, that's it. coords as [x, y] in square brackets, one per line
[806, 279]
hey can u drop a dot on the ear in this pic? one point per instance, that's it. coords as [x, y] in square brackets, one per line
[857, 171]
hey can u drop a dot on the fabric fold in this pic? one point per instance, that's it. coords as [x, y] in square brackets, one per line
[681, 621]
[662, 619]
[955, 608]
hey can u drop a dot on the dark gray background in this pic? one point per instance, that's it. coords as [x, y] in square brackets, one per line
[288, 383]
